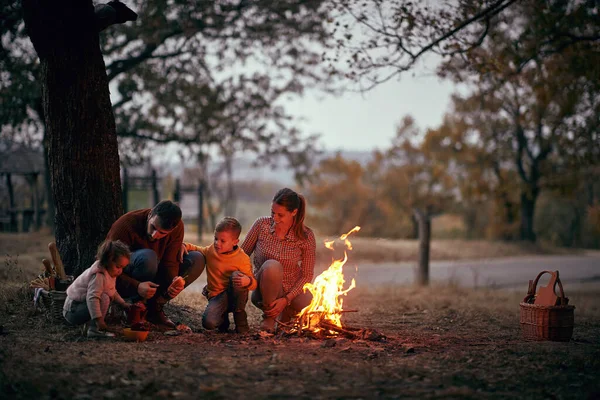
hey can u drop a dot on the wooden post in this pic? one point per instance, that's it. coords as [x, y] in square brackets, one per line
[125, 190]
[200, 208]
[424, 219]
[177, 193]
[155, 188]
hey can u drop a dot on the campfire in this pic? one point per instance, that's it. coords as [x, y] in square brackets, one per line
[322, 318]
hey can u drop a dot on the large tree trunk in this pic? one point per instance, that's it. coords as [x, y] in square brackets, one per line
[82, 143]
[50, 210]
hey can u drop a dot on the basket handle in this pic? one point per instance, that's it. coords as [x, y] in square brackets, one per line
[533, 287]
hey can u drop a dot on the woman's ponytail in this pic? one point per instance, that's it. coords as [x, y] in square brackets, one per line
[299, 221]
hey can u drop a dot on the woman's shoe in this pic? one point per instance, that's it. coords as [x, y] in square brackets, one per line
[268, 325]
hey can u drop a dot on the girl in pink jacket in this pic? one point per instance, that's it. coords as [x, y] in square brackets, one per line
[89, 296]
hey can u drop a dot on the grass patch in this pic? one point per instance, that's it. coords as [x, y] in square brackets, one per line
[442, 342]
[24, 252]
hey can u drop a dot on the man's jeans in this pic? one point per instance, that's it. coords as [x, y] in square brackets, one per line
[231, 300]
[143, 267]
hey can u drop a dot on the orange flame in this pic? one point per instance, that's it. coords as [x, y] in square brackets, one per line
[327, 291]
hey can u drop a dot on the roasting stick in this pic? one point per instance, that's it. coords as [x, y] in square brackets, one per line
[341, 311]
[47, 266]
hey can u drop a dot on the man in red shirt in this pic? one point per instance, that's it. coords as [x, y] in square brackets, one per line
[154, 237]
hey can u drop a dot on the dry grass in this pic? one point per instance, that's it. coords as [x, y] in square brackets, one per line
[24, 252]
[387, 250]
[442, 342]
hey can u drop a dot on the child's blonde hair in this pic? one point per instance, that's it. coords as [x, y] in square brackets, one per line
[229, 224]
[109, 252]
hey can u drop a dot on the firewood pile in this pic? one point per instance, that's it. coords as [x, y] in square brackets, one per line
[50, 286]
[53, 276]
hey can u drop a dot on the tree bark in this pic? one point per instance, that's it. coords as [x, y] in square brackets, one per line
[424, 220]
[50, 211]
[83, 157]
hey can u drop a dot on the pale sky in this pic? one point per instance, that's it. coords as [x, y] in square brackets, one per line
[356, 121]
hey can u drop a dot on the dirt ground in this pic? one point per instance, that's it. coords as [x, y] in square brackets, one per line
[441, 342]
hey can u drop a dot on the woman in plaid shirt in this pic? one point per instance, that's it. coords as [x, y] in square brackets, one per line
[284, 258]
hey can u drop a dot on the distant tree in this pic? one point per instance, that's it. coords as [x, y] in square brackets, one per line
[534, 115]
[417, 161]
[338, 191]
[407, 180]
[473, 141]
[379, 40]
[82, 144]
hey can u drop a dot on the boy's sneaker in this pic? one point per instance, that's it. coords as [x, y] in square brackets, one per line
[96, 334]
[241, 322]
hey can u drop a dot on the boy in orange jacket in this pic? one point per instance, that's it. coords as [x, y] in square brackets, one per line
[229, 278]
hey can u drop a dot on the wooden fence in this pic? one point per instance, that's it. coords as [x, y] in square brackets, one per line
[151, 183]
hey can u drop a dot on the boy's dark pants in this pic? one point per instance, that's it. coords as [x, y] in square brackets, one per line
[231, 300]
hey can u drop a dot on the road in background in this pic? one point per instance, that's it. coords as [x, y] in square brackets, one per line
[502, 272]
[512, 272]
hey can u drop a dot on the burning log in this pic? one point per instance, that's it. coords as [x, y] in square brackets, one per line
[331, 327]
[322, 317]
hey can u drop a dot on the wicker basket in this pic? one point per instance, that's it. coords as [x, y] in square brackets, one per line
[54, 301]
[539, 322]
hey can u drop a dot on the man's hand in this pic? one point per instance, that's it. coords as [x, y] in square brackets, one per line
[276, 307]
[176, 287]
[147, 289]
[182, 251]
[240, 280]
[126, 306]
